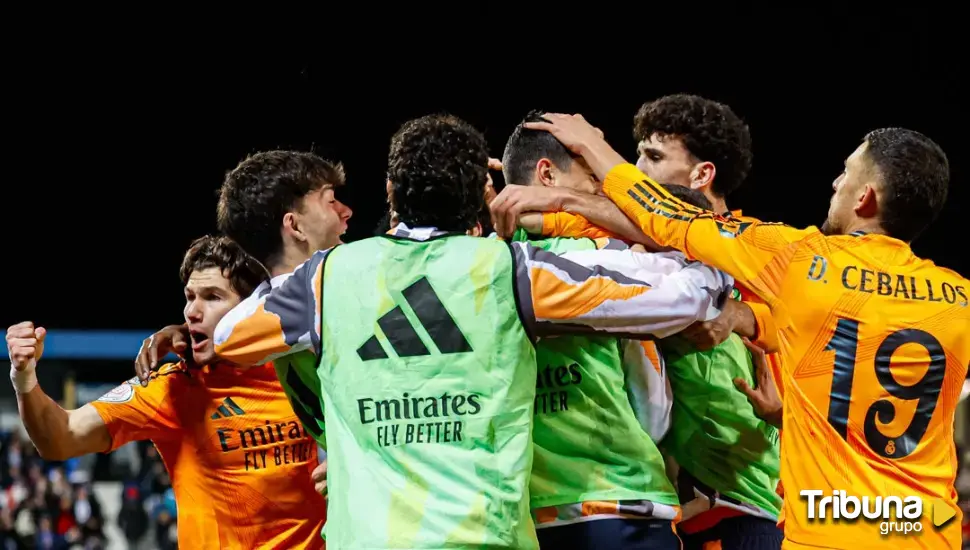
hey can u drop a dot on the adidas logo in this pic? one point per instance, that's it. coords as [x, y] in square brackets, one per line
[227, 409]
[437, 325]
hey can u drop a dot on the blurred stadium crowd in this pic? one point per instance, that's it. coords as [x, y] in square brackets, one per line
[54, 505]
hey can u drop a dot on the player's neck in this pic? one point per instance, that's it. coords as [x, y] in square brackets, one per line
[282, 268]
[288, 261]
[718, 204]
[868, 227]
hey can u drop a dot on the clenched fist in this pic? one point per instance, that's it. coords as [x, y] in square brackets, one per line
[25, 345]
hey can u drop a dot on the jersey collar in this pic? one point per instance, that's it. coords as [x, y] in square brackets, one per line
[416, 233]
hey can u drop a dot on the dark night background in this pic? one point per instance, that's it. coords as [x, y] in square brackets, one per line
[120, 123]
[122, 142]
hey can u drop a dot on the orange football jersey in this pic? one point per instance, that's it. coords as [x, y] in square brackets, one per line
[239, 459]
[875, 344]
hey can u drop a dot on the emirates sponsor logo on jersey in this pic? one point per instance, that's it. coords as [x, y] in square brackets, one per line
[263, 444]
[433, 419]
[552, 387]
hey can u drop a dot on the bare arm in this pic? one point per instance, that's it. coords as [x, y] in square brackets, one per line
[58, 434]
[592, 211]
[603, 212]
[735, 317]
[531, 222]
[61, 434]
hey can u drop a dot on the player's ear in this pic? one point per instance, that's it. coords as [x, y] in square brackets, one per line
[702, 175]
[867, 203]
[291, 227]
[544, 173]
[476, 231]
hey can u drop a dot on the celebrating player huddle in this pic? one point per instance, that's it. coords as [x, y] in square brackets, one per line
[611, 369]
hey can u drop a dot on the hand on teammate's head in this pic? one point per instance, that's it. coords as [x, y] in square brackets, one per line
[573, 131]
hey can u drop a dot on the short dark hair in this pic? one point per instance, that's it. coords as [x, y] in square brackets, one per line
[525, 147]
[257, 194]
[242, 270]
[710, 131]
[690, 196]
[915, 174]
[437, 167]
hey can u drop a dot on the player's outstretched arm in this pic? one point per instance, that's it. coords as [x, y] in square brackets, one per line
[560, 212]
[58, 434]
[274, 323]
[742, 248]
[570, 293]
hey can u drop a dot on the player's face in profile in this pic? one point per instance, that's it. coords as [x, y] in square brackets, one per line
[579, 177]
[665, 159]
[845, 196]
[324, 218]
[208, 297]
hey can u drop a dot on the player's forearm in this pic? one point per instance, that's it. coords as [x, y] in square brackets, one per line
[602, 212]
[744, 320]
[641, 200]
[50, 428]
[531, 222]
[774, 418]
[742, 249]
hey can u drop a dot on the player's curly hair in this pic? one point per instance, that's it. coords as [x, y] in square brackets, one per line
[437, 167]
[710, 131]
[257, 194]
[242, 270]
[915, 175]
[525, 147]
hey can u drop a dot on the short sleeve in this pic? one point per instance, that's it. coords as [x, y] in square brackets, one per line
[132, 412]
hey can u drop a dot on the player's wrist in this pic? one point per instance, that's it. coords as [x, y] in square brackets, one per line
[23, 380]
[774, 418]
[571, 201]
[601, 159]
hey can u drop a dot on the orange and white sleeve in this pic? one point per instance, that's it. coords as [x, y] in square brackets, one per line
[133, 412]
[647, 386]
[755, 253]
[275, 322]
[572, 293]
